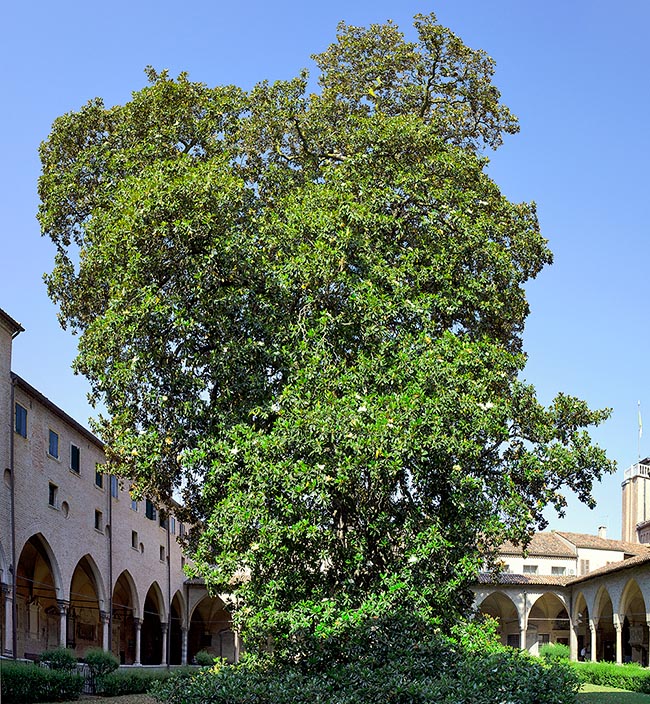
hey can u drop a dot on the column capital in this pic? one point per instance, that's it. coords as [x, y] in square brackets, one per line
[104, 616]
[163, 625]
[63, 606]
[137, 622]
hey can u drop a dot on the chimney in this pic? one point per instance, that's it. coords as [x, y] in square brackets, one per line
[602, 531]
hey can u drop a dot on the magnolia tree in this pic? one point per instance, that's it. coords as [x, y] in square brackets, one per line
[304, 312]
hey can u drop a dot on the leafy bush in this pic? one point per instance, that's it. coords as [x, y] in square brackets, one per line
[121, 682]
[24, 684]
[100, 663]
[204, 658]
[60, 659]
[555, 652]
[399, 658]
[632, 677]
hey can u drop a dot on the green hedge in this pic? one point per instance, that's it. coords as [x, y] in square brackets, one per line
[387, 659]
[133, 681]
[25, 683]
[632, 677]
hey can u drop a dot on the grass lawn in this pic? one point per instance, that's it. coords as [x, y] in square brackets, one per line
[597, 694]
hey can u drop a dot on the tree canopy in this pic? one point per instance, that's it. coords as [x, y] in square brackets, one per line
[304, 311]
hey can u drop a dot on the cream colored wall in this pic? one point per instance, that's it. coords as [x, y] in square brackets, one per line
[545, 564]
[598, 558]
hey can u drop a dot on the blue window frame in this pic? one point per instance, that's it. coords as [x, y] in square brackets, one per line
[53, 446]
[21, 420]
[75, 459]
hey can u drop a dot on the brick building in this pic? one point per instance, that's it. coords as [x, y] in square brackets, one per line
[81, 564]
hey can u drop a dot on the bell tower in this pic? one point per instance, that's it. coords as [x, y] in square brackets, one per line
[636, 502]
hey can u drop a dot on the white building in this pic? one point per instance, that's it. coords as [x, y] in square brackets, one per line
[585, 591]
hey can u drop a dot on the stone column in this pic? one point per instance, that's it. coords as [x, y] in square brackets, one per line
[238, 646]
[138, 627]
[593, 644]
[618, 627]
[163, 628]
[103, 615]
[523, 627]
[573, 640]
[63, 623]
[8, 645]
[184, 631]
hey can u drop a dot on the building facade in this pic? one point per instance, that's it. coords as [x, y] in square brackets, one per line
[586, 591]
[82, 564]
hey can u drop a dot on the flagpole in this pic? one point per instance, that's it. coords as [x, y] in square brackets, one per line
[640, 431]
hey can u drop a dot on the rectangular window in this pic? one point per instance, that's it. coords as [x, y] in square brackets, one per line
[99, 476]
[543, 638]
[53, 447]
[134, 539]
[181, 530]
[75, 459]
[21, 420]
[98, 521]
[162, 553]
[584, 566]
[150, 510]
[163, 520]
[115, 488]
[52, 495]
[172, 525]
[134, 505]
[558, 570]
[530, 569]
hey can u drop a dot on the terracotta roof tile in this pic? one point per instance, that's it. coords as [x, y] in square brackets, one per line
[540, 544]
[584, 540]
[508, 578]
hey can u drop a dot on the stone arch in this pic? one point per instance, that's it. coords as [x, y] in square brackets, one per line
[177, 613]
[211, 629]
[125, 611]
[580, 618]
[548, 621]
[39, 590]
[632, 615]
[500, 606]
[153, 611]
[87, 606]
[603, 617]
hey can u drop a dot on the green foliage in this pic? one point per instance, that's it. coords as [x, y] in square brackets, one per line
[120, 682]
[204, 658]
[60, 659]
[555, 652]
[23, 684]
[305, 310]
[631, 677]
[100, 663]
[399, 658]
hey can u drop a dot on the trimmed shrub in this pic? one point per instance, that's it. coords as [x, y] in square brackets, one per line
[204, 658]
[24, 683]
[60, 659]
[122, 682]
[386, 659]
[555, 652]
[632, 677]
[100, 663]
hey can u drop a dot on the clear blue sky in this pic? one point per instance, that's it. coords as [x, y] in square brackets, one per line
[574, 72]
